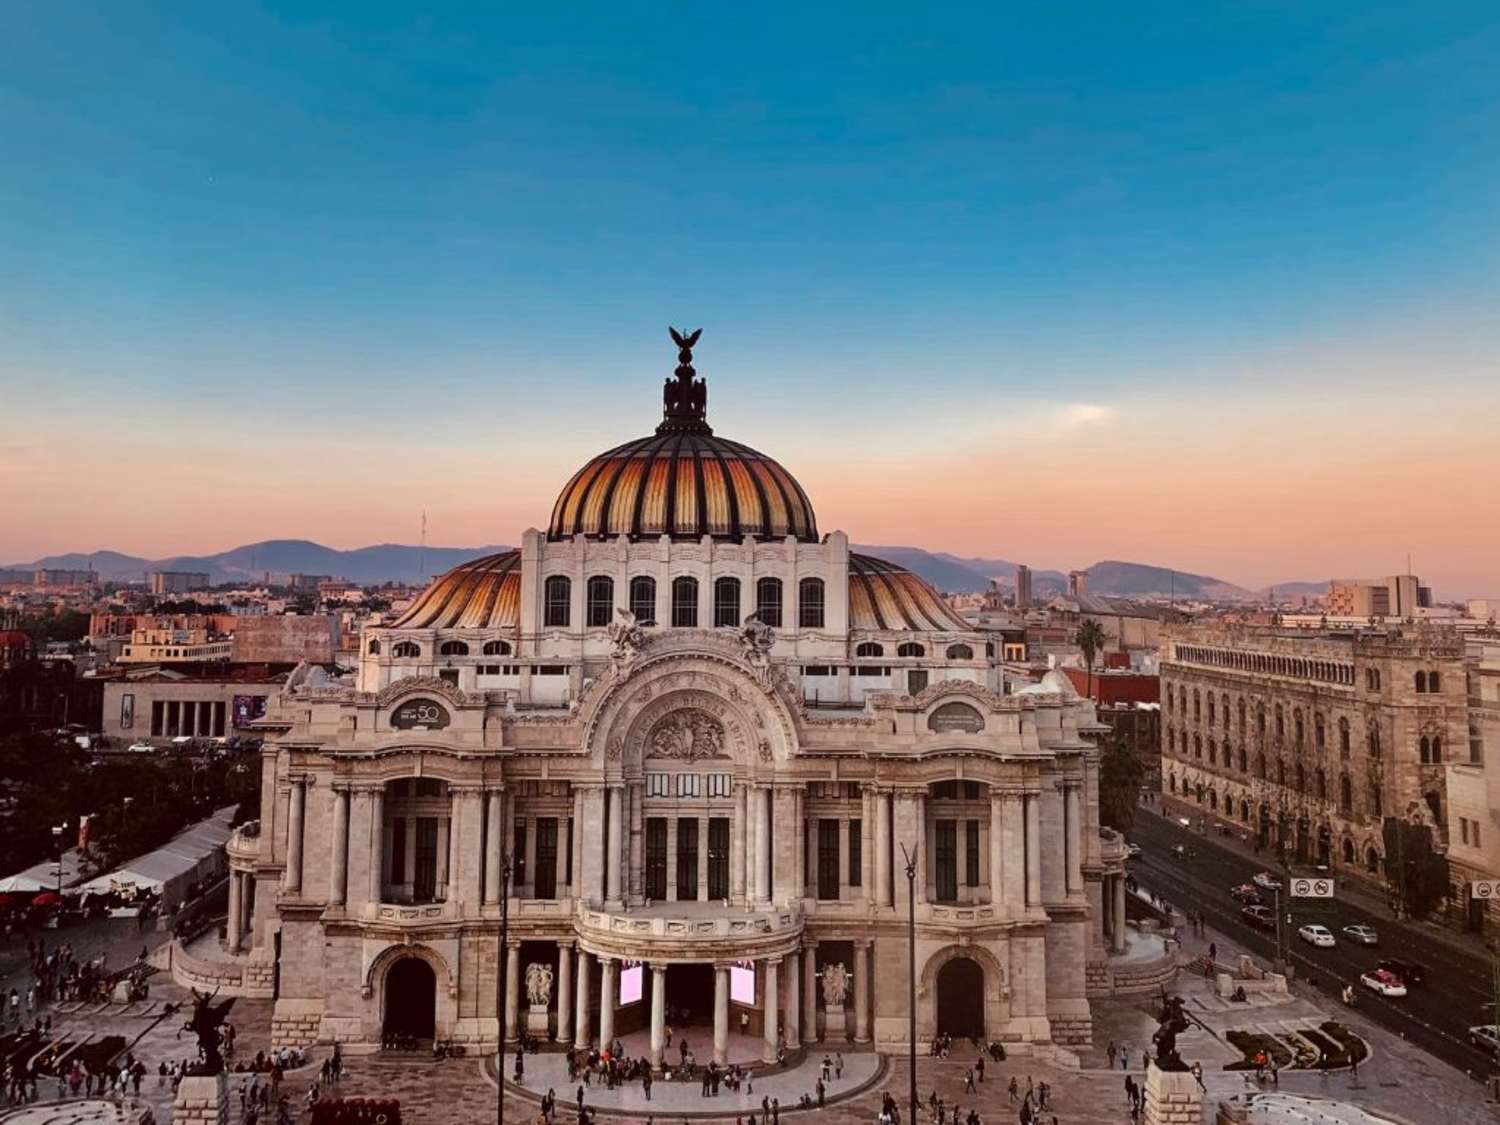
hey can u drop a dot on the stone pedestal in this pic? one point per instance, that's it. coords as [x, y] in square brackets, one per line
[835, 1024]
[202, 1101]
[1172, 1097]
[537, 1021]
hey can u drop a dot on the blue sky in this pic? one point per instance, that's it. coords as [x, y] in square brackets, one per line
[904, 232]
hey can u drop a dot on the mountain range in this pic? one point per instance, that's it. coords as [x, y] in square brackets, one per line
[394, 562]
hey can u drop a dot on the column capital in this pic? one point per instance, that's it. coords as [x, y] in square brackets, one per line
[771, 962]
[809, 943]
[513, 943]
[566, 944]
[467, 788]
[724, 966]
[366, 788]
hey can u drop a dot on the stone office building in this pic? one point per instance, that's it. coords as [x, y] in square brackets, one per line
[703, 736]
[1309, 740]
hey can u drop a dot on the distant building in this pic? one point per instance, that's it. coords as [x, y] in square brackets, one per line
[68, 579]
[1136, 727]
[1023, 587]
[162, 703]
[1113, 686]
[1399, 596]
[36, 696]
[176, 581]
[308, 581]
[167, 646]
[1078, 583]
[282, 639]
[15, 648]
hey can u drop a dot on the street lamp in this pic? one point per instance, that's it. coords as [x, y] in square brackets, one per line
[57, 845]
[911, 974]
[502, 987]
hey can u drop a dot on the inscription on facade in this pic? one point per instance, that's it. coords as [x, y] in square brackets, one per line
[420, 714]
[955, 717]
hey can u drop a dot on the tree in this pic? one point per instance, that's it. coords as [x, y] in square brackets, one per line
[1090, 638]
[1120, 777]
[1416, 875]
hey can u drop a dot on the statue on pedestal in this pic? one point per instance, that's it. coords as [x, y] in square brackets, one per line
[1172, 1022]
[205, 1024]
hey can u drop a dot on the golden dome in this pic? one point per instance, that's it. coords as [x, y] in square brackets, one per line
[483, 593]
[883, 595]
[683, 481]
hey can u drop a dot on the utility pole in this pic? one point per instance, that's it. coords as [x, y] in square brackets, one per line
[911, 974]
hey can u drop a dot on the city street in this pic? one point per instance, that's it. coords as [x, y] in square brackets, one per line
[1435, 1015]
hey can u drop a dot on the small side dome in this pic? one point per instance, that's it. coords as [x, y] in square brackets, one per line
[483, 593]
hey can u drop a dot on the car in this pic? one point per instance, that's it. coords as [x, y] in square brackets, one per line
[1261, 917]
[1486, 1037]
[1245, 895]
[1384, 982]
[1317, 935]
[1362, 934]
[1411, 973]
[1133, 851]
[141, 748]
[1182, 852]
[1266, 881]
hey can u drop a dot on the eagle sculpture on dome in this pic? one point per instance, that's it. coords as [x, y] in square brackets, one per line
[685, 342]
[684, 398]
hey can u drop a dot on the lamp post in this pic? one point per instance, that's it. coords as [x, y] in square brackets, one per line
[57, 845]
[502, 987]
[911, 975]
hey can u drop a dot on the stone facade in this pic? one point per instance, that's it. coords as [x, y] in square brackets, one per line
[1172, 1097]
[202, 1101]
[1310, 740]
[709, 813]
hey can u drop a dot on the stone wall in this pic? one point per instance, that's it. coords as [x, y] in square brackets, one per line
[296, 1023]
[1172, 1098]
[239, 977]
[1105, 979]
[202, 1101]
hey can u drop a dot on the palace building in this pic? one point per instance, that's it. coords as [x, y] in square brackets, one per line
[692, 740]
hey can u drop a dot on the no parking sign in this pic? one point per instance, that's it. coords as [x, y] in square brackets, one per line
[1312, 888]
[1484, 888]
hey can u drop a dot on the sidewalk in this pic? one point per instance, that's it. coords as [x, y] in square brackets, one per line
[1353, 891]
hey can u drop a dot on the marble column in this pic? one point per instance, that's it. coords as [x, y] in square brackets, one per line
[236, 914]
[564, 991]
[512, 991]
[737, 841]
[616, 841]
[607, 992]
[658, 1014]
[793, 999]
[862, 991]
[770, 1001]
[338, 891]
[721, 1014]
[809, 992]
[997, 847]
[578, 815]
[1073, 819]
[882, 849]
[377, 844]
[494, 845]
[581, 1007]
[924, 861]
[1119, 914]
[247, 906]
[762, 800]
[295, 823]
[1033, 849]
[455, 850]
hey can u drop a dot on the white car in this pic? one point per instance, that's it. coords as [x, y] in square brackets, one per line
[1486, 1037]
[1316, 935]
[142, 748]
[1387, 984]
[1266, 881]
[1363, 934]
[1132, 850]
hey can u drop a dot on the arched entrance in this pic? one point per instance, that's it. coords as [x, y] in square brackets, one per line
[960, 999]
[410, 999]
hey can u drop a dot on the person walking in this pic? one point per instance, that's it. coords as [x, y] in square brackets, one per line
[1109, 1052]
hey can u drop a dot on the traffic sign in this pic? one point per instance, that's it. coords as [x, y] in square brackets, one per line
[1312, 888]
[1485, 888]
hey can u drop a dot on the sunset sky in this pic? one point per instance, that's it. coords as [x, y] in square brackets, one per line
[1214, 286]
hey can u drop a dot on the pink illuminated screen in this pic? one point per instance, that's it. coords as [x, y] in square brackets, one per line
[741, 985]
[630, 984]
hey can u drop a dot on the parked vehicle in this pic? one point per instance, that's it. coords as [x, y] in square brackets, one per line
[141, 748]
[1261, 917]
[1384, 982]
[1266, 881]
[1133, 851]
[1245, 895]
[1316, 935]
[1362, 934]
[1486, 1037]
[1411, 973]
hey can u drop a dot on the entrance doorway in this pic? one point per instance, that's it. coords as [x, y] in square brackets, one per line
[960, 999]
[410, 999]
[690, 995]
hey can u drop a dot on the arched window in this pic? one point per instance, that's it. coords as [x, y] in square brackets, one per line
[1319, 734]
[1260, 719]
[1301, 778]
[1321, 784]
[1197, 746]
[726, 603]
[1210, 709]
[1197, 706]
[685, 603]
[1297, 724]
[600, 596]
[373, 648]
[1435, 803]
[1372, 860]
[1374, 801]
[911, 648]
[453, 648]
[406, 650]
[1245, 810]
[557, 599]
[1374, 740]
[496, 648]
[1213, 752]
[643, 599]
[1260, 766]
[1242, 760]
[1344, 739]
[1170, 695]
[1421, 679]
[870, 648]
[1242, 717]
[1280, 772]
[1280, 724]
[960, 652]
[1424, 750]
[768, 601]
[1348, 851]
[1213, 801]
[810, 603]
[1433, 684]
[1172, 782]
[1346, 794]
[1224, 709]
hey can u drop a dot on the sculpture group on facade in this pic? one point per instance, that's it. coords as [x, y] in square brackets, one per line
[756, 639]
[538, 984]
[687, 735]
[835, 984]
[626, 639]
